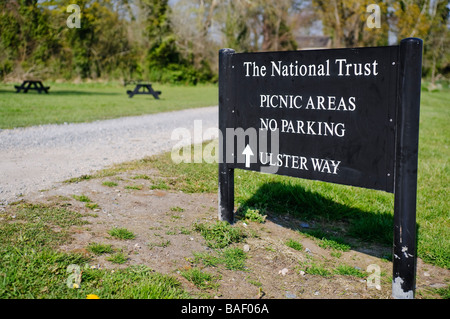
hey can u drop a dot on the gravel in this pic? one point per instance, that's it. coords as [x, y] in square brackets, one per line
[39, 157]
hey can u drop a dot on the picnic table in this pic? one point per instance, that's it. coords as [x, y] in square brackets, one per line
[144, 88]
[31, 85]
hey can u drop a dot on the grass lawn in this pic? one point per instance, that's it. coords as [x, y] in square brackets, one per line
[31, 267]
[88, 102]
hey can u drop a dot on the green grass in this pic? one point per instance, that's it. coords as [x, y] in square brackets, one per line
[159, 184]
[162, 244]
[201, 279]
[82, 198]
[109, 183]
[141, 176]
[136, 187]
[86, 200]
[209, 260]
[294, 244]
[443, 292]
[433, 212]
[121, 233]
[100, 249]
[318, 270]
[78, 179]
[220, 234]
[33, 224]
[326, 240]
[118, 258]
[92, 206]
[87, 102]
[32, 268]
[251, 214]
[346, 270]
[364, 214]
[232, 258]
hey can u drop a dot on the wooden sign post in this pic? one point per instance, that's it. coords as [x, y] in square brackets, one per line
[345, 116]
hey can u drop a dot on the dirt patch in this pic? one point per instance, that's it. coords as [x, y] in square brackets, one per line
[165, 240]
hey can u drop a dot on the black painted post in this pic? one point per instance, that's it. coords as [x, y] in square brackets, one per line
[407, 140]
[226, 174]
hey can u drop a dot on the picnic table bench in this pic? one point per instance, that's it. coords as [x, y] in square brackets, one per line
[144, 88]
[31, 85]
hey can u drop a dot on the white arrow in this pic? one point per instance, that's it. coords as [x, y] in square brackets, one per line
[247, 152]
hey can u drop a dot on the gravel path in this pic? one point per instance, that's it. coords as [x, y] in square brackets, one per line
[37, 158]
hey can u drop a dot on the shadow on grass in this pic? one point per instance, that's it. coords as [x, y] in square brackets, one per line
[79, 92]
[63, 92]
[311, 213]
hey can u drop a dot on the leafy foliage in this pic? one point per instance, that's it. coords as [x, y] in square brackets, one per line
[178, 42]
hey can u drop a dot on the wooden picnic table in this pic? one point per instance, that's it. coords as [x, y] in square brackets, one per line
[31, 85]
[144, 88]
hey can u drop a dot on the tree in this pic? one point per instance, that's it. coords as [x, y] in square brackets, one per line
[164, 60]
[437, 42]
[101, 45]
[428, 20]
[346, 22]
[27, 38]
[178, 41]
[276, 32]
[193, 23]
[257, 25]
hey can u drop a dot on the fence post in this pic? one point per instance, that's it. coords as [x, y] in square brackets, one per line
[405, 188]
[226, 174]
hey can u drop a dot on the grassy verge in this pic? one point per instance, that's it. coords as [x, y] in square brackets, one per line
[87, 102]
[31, 267]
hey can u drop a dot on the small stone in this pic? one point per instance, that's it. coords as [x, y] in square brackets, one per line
[316, 293]
[246, 248]
[426, 274]
[302, 273]
[308, 251]
[283, 271]
[290, 295]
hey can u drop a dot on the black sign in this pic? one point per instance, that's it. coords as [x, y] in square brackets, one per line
[332, 113]
[347, 116]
